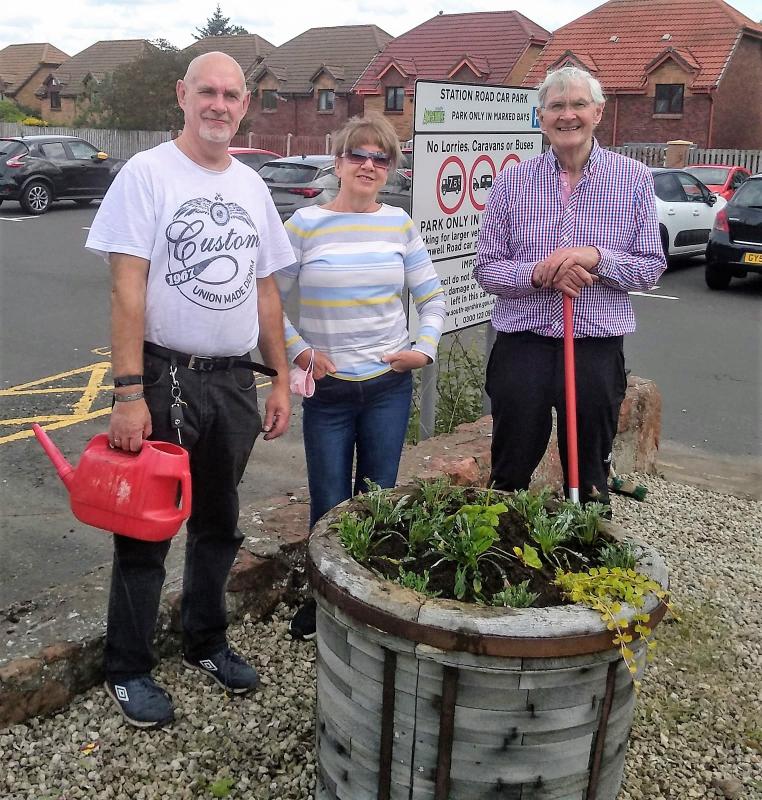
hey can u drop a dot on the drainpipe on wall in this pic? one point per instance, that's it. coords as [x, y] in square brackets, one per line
[288, 143]
[328, 144]
[616, 118]
[249, 139]
[710, 130]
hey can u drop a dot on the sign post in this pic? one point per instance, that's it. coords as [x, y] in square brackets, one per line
[464, 135]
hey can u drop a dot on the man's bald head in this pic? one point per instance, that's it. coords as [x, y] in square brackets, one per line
[209, 63]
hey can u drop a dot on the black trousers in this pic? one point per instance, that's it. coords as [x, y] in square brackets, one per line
[221, 424]
[525, 381]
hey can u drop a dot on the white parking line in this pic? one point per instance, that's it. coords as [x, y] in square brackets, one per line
[658, 296]
[16, 219]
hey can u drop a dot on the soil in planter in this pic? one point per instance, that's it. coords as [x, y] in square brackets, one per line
[495, 570]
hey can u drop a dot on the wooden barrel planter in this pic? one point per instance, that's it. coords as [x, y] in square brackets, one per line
[431, 699]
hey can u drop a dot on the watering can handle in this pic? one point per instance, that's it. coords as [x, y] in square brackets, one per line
[185, 493]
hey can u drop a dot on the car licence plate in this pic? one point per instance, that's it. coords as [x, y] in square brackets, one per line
[752, 258]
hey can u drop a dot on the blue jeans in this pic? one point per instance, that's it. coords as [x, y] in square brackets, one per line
[343, 416]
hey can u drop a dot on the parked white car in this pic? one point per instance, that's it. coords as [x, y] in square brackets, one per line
[686, 212]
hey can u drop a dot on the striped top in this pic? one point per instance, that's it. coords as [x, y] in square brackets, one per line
[352, 270]
[529, 214]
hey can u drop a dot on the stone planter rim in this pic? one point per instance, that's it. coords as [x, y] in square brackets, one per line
[451, 625]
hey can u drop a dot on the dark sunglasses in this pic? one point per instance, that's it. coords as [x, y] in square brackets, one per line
[359, 156]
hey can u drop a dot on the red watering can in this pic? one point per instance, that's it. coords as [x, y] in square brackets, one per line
[145, 495]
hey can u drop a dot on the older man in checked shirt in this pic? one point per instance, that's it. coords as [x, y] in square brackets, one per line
[576, 220]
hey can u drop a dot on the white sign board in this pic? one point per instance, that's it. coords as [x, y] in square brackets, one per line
[464, 136]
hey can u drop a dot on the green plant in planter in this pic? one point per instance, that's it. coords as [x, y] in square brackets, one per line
[357, 535]
[550, 532]
[618, 554]
[586, 521]
[605, 590]
[465, 539]
[418, 583]
[515, 596]
[530, 504]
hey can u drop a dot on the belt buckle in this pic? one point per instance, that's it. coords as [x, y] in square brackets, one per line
[201, 363]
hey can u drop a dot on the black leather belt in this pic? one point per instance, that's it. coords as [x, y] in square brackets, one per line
[206, 363]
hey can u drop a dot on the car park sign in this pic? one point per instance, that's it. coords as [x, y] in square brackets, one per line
[464, 136]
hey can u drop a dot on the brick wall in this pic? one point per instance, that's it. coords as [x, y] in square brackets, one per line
[60, 117]
[401, 122]
[636, 121]
[738, 101]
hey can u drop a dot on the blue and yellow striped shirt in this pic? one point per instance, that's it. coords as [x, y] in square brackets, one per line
[352, 270]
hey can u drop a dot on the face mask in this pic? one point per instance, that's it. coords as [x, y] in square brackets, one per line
[301, 381]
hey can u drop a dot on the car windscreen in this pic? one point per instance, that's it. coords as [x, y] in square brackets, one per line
[749, 194]
[713, 175]
[288, 172]
[8, 148]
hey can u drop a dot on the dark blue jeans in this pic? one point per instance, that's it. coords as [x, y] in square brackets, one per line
[221, 423]
[369, 417]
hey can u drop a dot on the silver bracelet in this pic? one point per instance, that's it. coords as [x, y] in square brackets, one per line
[126, 398]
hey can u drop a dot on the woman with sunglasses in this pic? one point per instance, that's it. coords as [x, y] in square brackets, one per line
[354, 258]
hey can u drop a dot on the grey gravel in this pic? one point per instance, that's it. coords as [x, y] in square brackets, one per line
[697, 730]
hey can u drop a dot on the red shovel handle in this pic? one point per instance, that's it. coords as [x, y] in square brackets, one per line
[570, 387]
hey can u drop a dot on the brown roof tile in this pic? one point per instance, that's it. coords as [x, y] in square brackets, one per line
[248, 49]
[19, 62]
[701, 33]
[492, 40]
[97, 60]
[346, 47]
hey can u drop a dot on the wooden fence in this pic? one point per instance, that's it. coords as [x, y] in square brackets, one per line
[653, 155]
[286, 144]
[119, 144]
[751, 159]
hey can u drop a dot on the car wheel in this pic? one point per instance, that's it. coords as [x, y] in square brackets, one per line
[716, 277]
[83, 203]
[36, 198]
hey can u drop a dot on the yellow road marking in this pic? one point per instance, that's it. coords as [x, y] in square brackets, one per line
[81, 411]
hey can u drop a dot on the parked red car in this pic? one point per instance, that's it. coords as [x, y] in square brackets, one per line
[252, 156]
[721, 179]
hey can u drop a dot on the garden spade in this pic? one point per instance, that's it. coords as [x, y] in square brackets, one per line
[570, 390]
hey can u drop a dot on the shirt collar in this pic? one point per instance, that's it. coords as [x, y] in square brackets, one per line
[590, 164]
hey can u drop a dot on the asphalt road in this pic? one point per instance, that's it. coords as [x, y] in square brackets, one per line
[701, 347]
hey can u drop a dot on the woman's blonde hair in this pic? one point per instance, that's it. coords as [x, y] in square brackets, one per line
[370, 128]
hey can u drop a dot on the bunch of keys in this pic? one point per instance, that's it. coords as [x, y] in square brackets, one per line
[176, 416]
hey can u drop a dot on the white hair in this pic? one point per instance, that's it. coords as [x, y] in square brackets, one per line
[562, 78]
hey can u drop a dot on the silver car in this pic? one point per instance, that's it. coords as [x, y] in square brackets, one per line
[298, 181]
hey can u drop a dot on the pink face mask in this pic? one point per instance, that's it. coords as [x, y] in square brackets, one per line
[301, 381]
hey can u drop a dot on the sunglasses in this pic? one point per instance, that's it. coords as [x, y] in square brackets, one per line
[359, 156]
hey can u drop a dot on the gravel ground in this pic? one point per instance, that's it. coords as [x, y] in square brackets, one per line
[698, 724]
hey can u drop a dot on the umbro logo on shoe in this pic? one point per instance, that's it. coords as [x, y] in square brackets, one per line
[208, 664]
[121, 693]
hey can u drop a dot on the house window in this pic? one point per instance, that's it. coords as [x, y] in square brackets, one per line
[669, 98]
[269, 99]
[55, 101]
[326, 98]
[395, 98]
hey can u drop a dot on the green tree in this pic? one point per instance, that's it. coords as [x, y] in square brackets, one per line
[10, 112]
[140, 95]
[218, 25]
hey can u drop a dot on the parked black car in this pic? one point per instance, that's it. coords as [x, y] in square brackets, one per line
[735, 243]
[38, 170]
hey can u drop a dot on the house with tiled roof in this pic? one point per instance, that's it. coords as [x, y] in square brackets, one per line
[66, 91]
[671, 69]
[483, 47]
[22, 67]
[304, 87]
[248, 49]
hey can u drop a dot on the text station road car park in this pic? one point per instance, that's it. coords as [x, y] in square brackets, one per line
[465, 134]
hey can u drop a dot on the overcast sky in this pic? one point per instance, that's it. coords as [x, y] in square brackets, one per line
[76, 24]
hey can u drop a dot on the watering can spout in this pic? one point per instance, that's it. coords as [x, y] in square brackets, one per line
[63, 467]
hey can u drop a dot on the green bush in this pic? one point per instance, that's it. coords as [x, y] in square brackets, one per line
[10, 112]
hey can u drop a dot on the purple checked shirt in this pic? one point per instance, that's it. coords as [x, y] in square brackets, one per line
[528, 216]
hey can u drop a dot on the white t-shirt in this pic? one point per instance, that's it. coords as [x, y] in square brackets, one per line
[208, 236]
